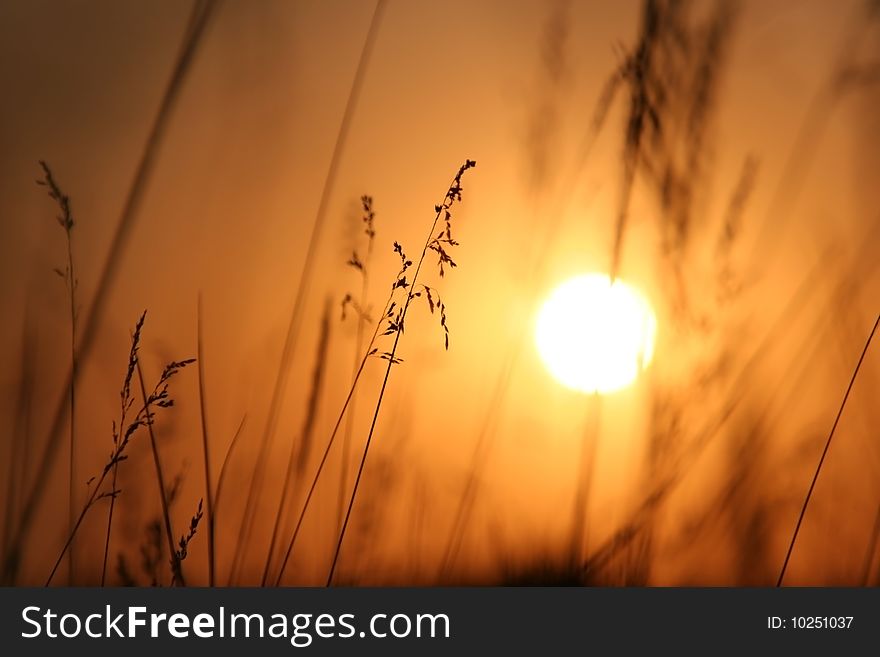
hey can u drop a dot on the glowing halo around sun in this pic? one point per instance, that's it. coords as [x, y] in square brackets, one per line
[596, 336]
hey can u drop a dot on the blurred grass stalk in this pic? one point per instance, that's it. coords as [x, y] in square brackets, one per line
[203, 415]
[396, 326]
[159, 397]
[301, 450]
[588, 447]
[176, 568]
[257, 482]
[21, 437]
[361, 310]
[68, 274]
[198, 21]
[328, 447]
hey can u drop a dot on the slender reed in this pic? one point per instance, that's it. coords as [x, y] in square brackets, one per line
[388, 309]
[176, 568]
[479, 460]
[552, 221]
[16, 475]
[65, 220]
[630, 529]
[371, 350]
[183, 544]
[113, 483]
[360, 306]
[434, 243]
[227, 459]
[205, 450]
[255, 487]
[800, 519]
[816, 121]
[221, 479]
[160, 398]
[125, 403]
[299, 457]
[199, 19]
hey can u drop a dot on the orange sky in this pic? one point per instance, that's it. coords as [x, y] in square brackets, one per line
[236, 187]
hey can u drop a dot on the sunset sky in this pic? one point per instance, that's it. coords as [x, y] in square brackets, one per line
[756, 340]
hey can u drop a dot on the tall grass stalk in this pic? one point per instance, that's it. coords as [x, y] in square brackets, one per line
[65, 220]
[199, 19]
[453, 194]
[553, 59]
[371, 350]
[125, 403]
[342, 413]
[789, 316]
[842, 79]
[227, 459]
[16, 475]
[280, 385]
[819, 465]
[176, 568]
[362, 318]
[209, 497]
[113, 484]
[159, 397]
[224, 468]
[299, 457]
[678, 470]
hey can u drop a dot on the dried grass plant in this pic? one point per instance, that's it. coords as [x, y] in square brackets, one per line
[440, 242]
[68, 274]
[158, 398]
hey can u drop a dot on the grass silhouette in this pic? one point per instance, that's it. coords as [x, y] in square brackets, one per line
[278, 473]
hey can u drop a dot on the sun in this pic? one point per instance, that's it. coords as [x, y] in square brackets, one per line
[596, 336]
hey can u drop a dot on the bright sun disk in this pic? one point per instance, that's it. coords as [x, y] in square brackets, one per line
[594, 335]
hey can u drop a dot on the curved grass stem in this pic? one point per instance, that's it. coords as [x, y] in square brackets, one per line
[452, 193]
[806, 503]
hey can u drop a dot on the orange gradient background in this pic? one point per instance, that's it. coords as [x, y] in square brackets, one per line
[753, 352]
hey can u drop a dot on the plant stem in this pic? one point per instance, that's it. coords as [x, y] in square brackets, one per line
[198, 21]
[76, 526]
[330, 442]
[209, 498]
[298, 457]
[71, 475]
[109, 526]
[409, 297]
[18, 461]
[349, 425]
[226, 459]
[254, 489]
[852, 381]
[176, 568]
[363, 461]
